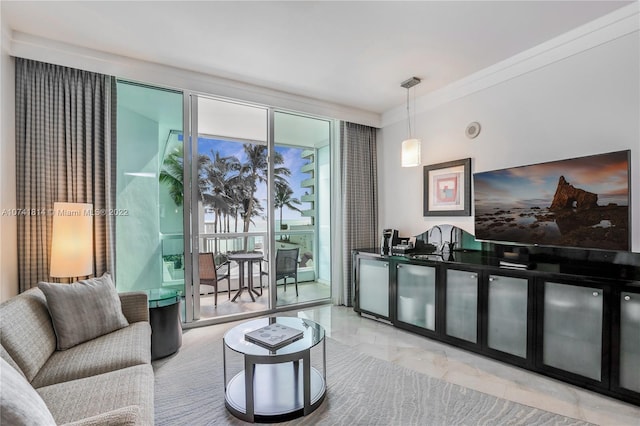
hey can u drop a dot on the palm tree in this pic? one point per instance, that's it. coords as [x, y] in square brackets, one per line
[228, 186]
[283, 198]
[221, 174]
[172, 173]
[255, 171]
[237, 195]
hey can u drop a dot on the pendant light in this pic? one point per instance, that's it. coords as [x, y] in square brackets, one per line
[410, 146]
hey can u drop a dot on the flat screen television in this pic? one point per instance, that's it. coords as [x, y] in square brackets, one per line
[580, 202]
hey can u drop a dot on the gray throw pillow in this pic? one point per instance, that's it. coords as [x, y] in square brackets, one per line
[20, 404]
[84, 310]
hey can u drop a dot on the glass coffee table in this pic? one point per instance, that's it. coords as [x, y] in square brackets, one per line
[275, 384]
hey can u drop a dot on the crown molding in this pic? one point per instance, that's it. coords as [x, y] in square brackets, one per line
[29, 46]
[612, 26]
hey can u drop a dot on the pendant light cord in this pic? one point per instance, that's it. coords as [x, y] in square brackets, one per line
[408, 84]
[408, 115]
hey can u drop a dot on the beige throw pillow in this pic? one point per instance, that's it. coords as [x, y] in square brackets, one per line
[84, 310]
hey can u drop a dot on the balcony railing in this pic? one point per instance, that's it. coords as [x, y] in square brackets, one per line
[222, 244]
[232, 242]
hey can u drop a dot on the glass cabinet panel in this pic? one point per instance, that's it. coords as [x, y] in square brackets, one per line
[373, 295]
[417, 295]
[572, 337]
[462, 305]
[507, 315]
[630, 341]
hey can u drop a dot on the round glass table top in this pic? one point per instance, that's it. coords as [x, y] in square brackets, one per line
[245, 256]
[158, 297]
[313, 333]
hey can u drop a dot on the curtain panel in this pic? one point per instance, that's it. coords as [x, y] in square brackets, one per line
[359, 197]
[65, 151]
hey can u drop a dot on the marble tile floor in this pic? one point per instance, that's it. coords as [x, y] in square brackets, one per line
[467, 369]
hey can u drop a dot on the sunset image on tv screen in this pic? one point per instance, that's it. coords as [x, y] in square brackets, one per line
[581, 202]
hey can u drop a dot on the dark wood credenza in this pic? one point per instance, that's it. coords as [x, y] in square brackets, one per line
[575, 320]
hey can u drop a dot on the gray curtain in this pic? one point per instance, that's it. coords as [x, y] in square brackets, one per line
[65, 151]
[359, 196]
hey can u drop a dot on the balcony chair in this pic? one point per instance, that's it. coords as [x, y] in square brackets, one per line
[210, 276]
[287, 266]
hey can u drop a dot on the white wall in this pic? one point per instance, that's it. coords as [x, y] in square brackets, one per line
[8, 222]
[582, 103]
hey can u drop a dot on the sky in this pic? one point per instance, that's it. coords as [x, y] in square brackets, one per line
[606, 175]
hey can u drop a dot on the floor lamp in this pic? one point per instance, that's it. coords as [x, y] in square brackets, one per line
[72, 241]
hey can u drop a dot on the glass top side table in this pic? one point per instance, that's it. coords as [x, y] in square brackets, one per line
[164, 318]
[275, 384]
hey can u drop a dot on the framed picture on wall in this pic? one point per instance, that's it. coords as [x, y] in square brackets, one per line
[447, 188]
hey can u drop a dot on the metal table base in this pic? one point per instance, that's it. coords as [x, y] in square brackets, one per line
[278, 393]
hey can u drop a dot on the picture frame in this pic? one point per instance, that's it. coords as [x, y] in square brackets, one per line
[447, 188]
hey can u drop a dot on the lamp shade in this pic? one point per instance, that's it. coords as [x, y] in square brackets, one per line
[72, 240]
[411, 153]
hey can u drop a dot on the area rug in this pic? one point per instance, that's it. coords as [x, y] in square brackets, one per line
[361, 390]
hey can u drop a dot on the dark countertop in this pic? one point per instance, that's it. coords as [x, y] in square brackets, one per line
[623, 267]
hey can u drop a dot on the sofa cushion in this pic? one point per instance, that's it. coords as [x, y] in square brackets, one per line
[78, 399]
[122, 348]
[84, 310]
[135, 306]
[26, 332]
[20, 404]
[5, 355]
[125, 416]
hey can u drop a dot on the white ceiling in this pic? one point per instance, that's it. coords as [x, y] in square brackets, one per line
[350, 53]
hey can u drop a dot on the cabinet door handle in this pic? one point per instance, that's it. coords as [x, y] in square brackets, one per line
[473, 276]
[627, 298]
[596, 294]
[492, 279]
[386, 265]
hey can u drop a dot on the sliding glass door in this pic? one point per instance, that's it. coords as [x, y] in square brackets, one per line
[262, 207]
[302, 194]
[230, 156]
